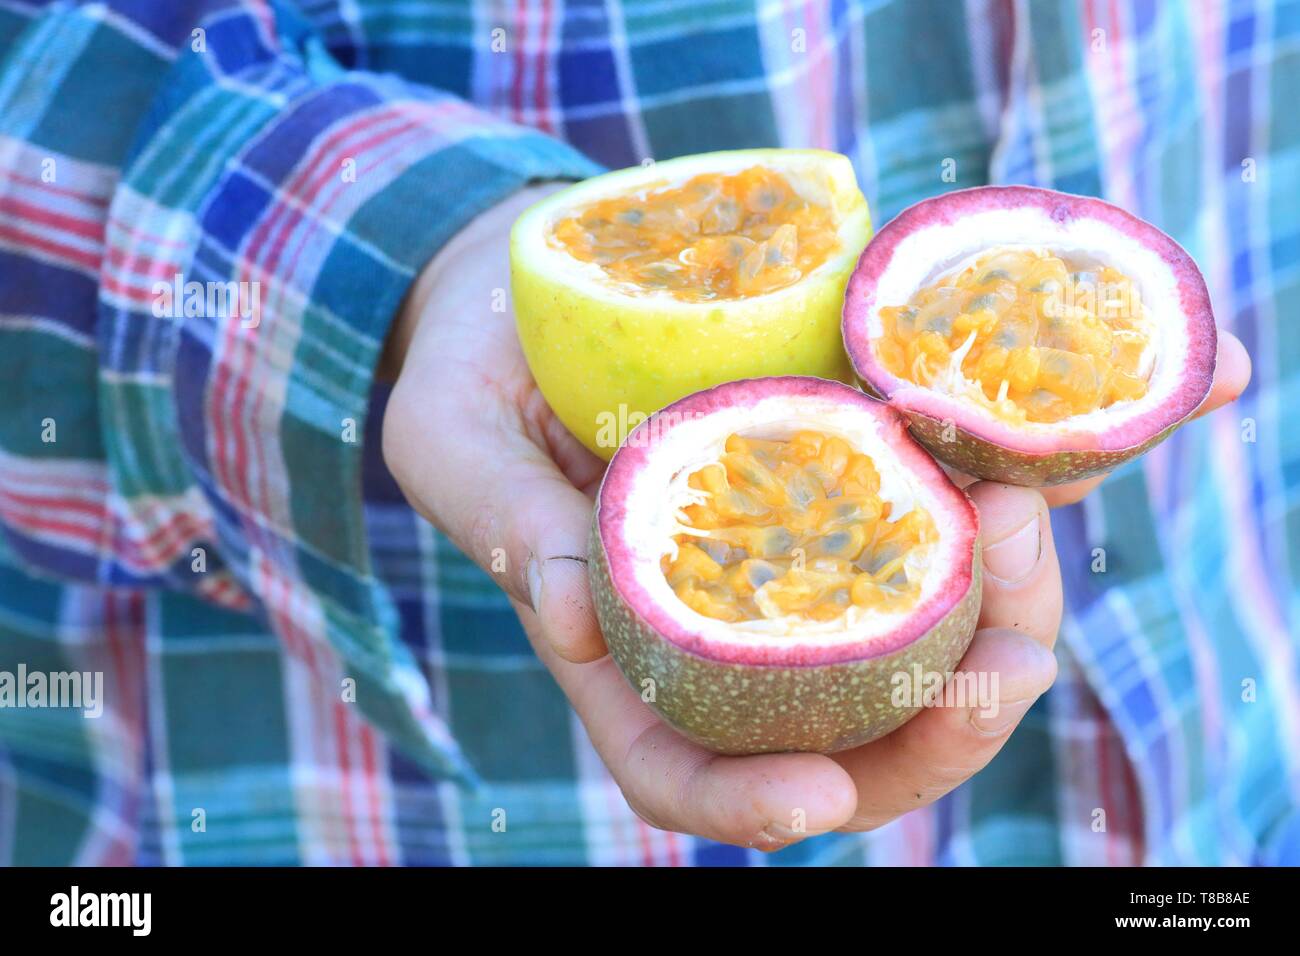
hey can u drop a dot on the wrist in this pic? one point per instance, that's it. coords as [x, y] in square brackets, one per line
[486, 234]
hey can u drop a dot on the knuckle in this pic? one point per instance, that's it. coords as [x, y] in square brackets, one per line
[643, 813]
[863, 824]
[665, 802]
[944, 779]
[394, 437]
[482, 532]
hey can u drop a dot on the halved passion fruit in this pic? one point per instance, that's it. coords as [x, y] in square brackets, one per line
[641, 286]
[770, 558]
[1030, 336]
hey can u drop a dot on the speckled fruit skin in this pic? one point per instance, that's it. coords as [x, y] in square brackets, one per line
[965, 441]
[973, 455]
[777, 695]
[747, 709]
[603, 363]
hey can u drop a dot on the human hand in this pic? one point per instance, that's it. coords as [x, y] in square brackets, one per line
[478, 453]
[771, 801]
[474, 446]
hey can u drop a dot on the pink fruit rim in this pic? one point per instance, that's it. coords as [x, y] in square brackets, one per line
[957, 518]
[1061, 208]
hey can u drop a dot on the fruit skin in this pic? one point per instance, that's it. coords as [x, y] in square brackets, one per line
[977, 456]
[972, 443]
[742, 709]
[605, 360]
[815, 699]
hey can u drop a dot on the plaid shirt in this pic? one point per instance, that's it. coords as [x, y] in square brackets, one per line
[185, 508]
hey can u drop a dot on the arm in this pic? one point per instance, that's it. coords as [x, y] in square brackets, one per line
[218, 448]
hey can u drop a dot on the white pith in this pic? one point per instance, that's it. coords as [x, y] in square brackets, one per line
[819, 177]
[660, 491]
[934, 251]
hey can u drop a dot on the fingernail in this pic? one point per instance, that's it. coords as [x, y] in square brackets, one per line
[997, 720]
[1012, 559]
[533, 573]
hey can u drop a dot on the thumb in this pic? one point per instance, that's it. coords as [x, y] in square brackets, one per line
[1022, 575]
[550, 527]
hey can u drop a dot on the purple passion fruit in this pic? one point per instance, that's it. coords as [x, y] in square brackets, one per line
[1030, 336]
[768, 555]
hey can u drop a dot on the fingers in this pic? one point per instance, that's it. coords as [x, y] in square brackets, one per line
[1231, 374]
[503, 501]
[1022, 576]
[1009, 664]
[1058, 496]
[767, 801]
[1002, 674]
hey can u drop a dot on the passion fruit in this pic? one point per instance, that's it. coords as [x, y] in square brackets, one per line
[641, 286]
[1030, 336]
[773, 559]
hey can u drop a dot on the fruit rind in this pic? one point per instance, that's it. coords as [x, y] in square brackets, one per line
[750, 709]
[981, 458]
[604, 357]
[780, 693]
[972, 439]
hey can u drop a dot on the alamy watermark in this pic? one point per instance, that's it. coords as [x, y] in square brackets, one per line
[133, 911]
[218, 300]
[976, 690]
[630, 427]
[1106, 300]
[76, 690]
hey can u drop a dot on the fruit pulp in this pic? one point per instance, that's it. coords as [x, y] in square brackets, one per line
[793, 527]
[1043, 340]
[718, 236]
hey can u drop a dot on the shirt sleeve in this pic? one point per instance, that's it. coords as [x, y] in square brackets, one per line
[226, 220]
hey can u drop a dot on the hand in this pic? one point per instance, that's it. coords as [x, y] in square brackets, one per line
[755, 801]
[474, 446]
[478, 453]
